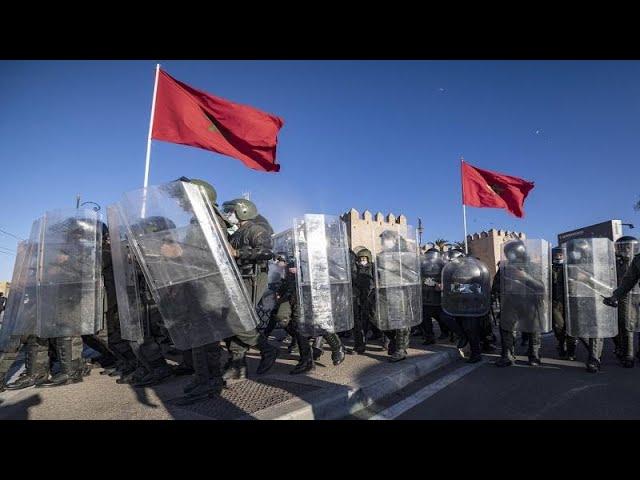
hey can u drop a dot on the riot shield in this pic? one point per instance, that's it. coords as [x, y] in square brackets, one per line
[432, 264]
[590, 275]
[187, 263]
[26, 309]
[324, 274]
[466, 288]
[70, 274]
[627, 248]
[397, 278]
[127, 275]
[525, 286]
[16, 296]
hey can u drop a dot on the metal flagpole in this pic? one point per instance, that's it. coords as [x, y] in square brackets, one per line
[148, 157]
[464, 210]
[153, 109]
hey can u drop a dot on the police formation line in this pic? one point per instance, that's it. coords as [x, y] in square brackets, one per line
[170, 277]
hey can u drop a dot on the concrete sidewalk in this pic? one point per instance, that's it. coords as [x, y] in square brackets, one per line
[327, 393]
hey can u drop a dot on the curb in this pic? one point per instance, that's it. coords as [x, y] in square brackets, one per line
[339, 402]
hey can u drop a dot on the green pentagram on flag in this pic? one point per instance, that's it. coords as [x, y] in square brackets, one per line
[498, 189]
[212, 127]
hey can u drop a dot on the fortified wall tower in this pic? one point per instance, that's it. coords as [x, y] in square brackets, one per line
[487, 246]
[364, 230]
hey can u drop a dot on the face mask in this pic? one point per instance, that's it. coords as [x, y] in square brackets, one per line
[232, 218]
[232, 229]
[364, 261]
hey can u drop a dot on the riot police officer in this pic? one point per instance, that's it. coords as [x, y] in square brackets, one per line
[363, 298]
[466, 299]
[627, 248]
[523, 287]
[252, 247]
[589, 275]
[431, 266]
[566, 343]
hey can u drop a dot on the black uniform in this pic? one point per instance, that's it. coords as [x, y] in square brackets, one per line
[628, 275]
[566, 343]
[363, 304]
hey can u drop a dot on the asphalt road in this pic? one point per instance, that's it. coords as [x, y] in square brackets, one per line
[557, 390]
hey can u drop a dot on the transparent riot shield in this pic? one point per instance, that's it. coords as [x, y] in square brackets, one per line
[525, 286]
[466, 288]
[397, 278]
[127, 276]
[70, 300]
[324, 274]
[26, 309]
[187, 263]
[628, 307]
[16, 296]
[432, 264]
[590, 275]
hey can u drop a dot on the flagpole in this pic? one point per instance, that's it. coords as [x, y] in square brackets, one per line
[148, 158]
[153, 109]
[464, 210]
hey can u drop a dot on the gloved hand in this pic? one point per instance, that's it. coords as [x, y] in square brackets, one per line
[610, 301]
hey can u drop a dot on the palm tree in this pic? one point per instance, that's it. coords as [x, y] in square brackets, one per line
[458, 245]
[440, 243]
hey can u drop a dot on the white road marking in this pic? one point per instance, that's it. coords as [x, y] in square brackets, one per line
[421, 395]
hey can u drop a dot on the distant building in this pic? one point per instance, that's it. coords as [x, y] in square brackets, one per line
[4, 288]
[611, 229]
[364, 230]
[487, 246]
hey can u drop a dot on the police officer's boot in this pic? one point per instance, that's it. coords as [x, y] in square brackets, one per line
[317, 347]
[562, 350]
[36, 370]
[160, 371]
[595, 350]
[401, 345]
[70, 367]
[359, 339]
[235, 368]
[508, 352]
[572, 343]
[205, 383]
[293, 346]
[618, 343]
[268, 355]
[337, 350]
[535, 341]
[306, 363]
[627, 347]
[593, 365]
[135, 376]
[428, 336]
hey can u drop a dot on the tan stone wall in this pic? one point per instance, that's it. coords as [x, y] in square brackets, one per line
[4, 288]
[487, 246]
[364, 230]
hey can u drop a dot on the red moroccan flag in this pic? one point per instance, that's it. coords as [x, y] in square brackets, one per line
[484, 188]
[192, 117]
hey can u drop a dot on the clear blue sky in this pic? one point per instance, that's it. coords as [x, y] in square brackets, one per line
[378, 135]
